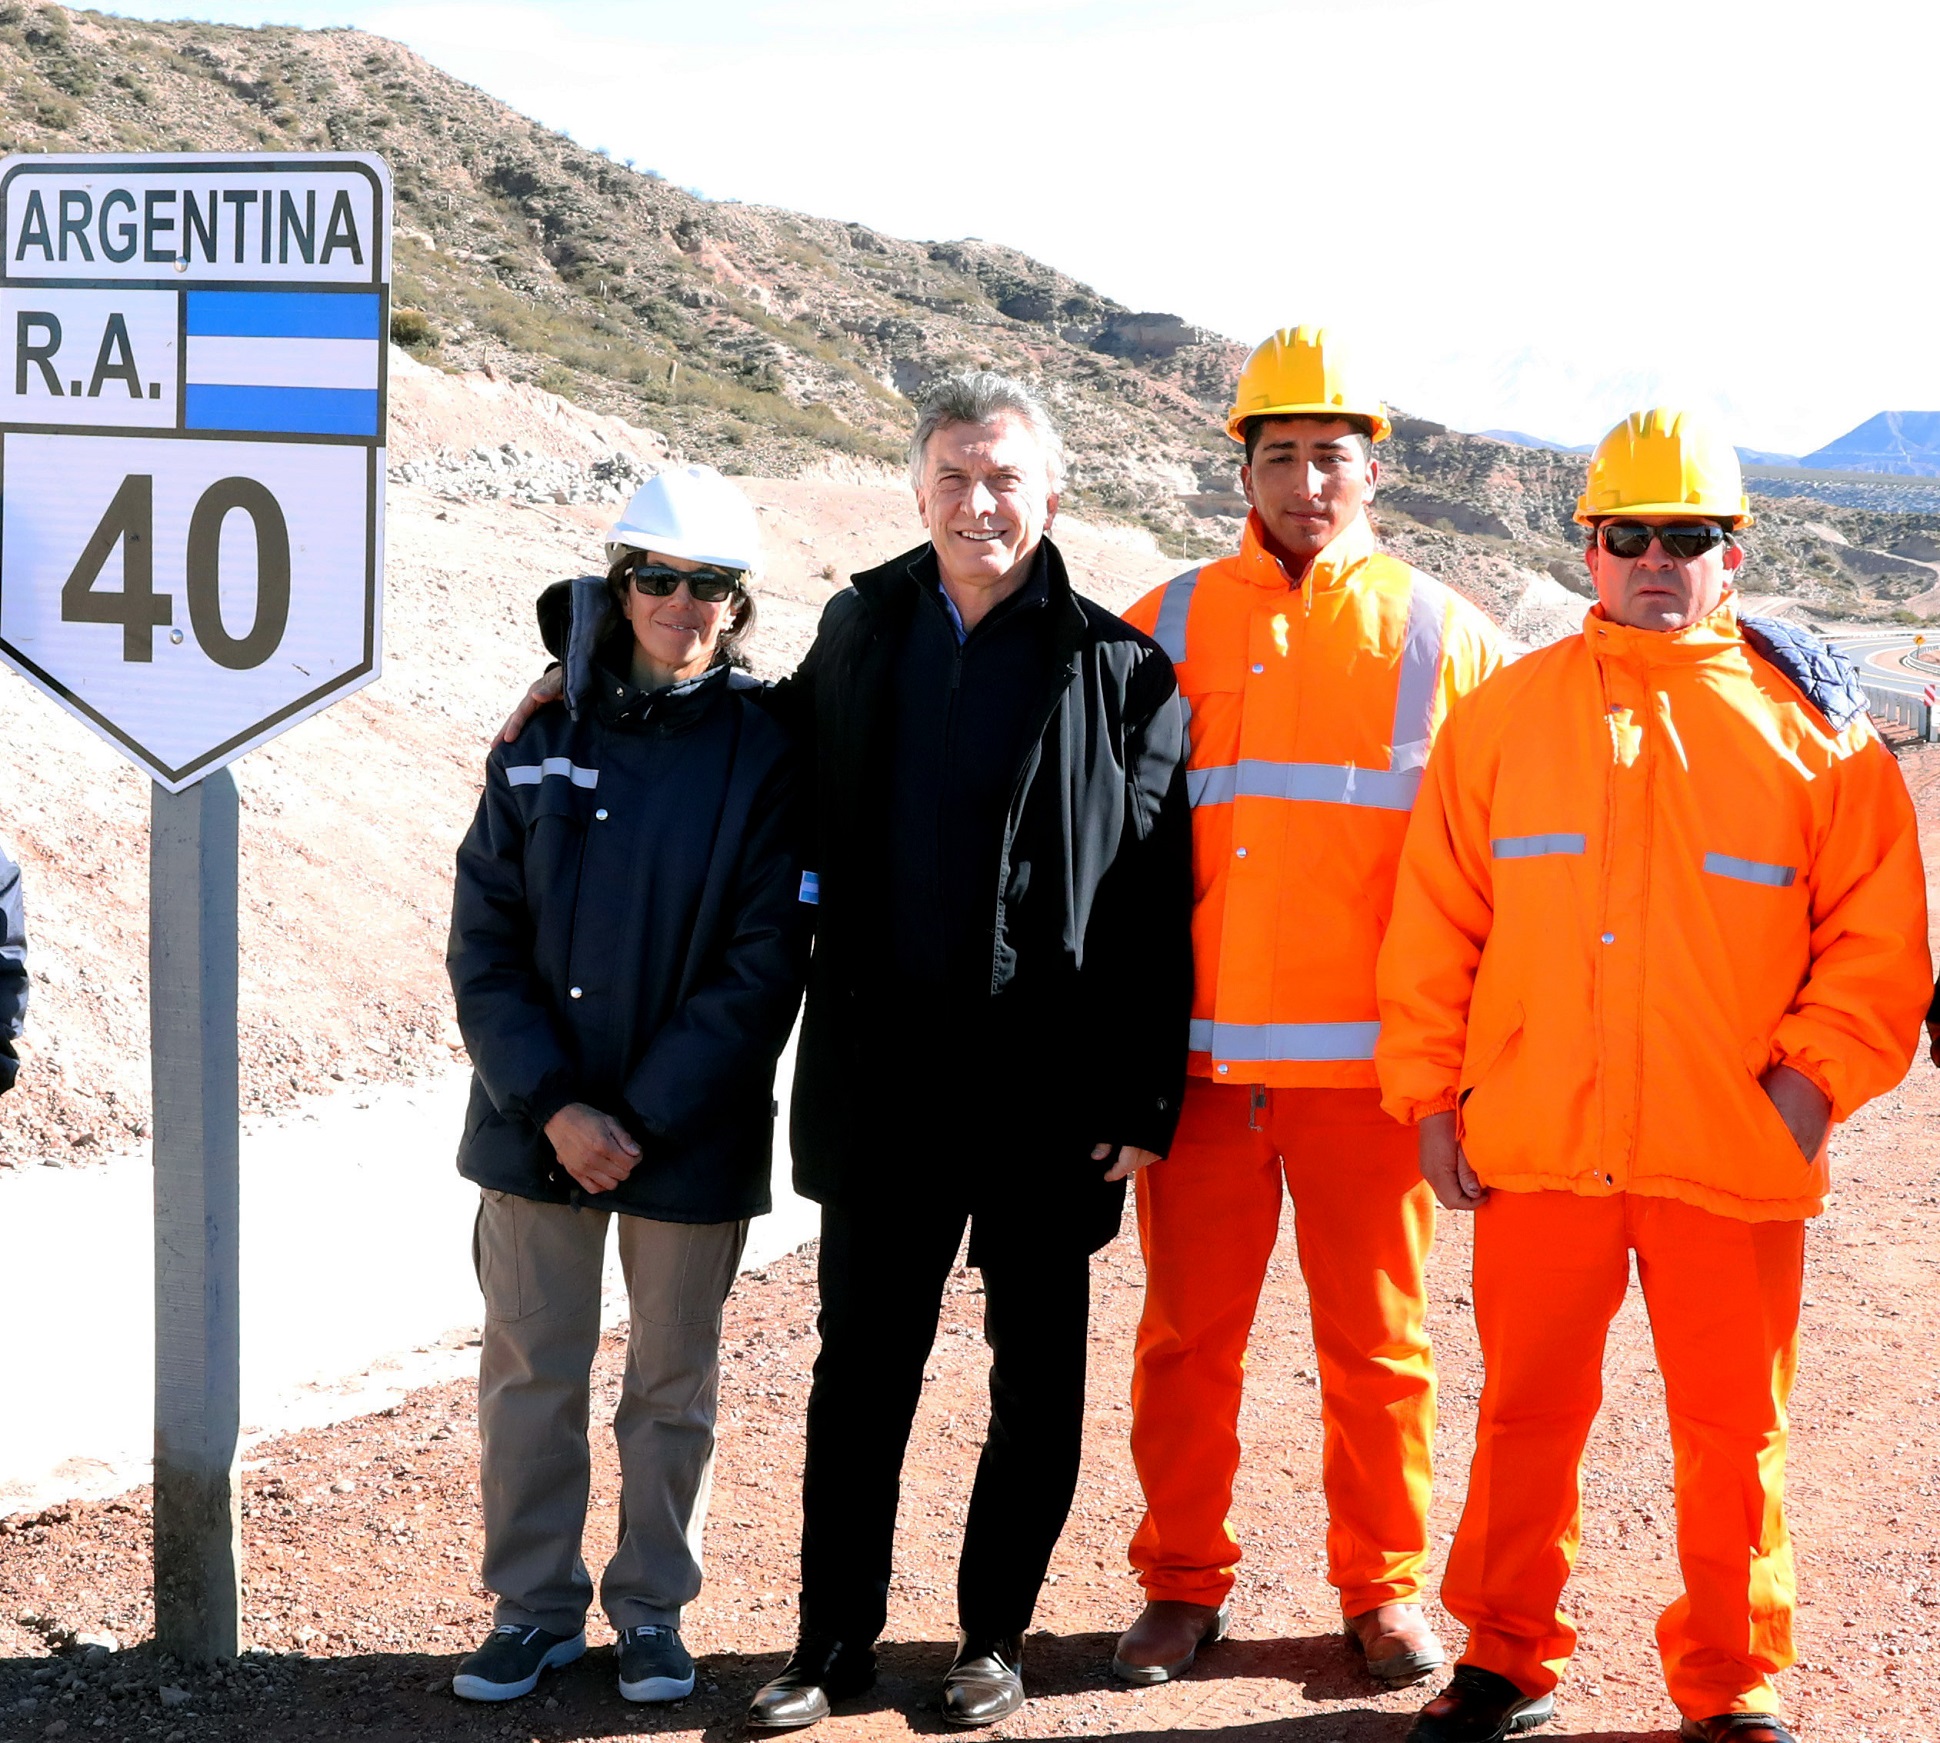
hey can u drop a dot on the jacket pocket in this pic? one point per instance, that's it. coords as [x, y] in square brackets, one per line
[1479, 1064]
[1793, 1173]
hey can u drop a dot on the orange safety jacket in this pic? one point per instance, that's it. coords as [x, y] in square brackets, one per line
[1643, 870]
[1312, 710]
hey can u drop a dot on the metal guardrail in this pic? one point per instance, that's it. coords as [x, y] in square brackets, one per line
[1910, 711]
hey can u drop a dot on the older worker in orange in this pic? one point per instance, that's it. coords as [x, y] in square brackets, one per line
[1660, 925]
[1317, 669]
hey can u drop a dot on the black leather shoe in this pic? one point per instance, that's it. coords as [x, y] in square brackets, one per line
[987, 1682]
[817, 1673]
[1480, 1707]
[1736, 1728]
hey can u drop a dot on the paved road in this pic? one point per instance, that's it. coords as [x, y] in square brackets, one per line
[1878, 654]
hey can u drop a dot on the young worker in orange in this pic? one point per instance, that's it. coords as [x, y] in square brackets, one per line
[1660, 924]
[1317, 670]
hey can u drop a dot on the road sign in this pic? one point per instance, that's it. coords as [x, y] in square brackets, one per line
[191, 556]
[192, 442]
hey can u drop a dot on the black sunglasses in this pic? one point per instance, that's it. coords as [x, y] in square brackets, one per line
[1687, 539]
[708, 586]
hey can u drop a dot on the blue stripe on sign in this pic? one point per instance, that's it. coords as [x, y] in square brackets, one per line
[1535, 846]
[292, 411]
[282, 315]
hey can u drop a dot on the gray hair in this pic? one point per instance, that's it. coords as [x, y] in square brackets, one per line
[978, 396]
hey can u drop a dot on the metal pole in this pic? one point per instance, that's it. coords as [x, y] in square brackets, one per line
[192, 1014]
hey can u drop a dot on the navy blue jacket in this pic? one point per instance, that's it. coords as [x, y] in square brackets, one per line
[13, 968]
[627, 931]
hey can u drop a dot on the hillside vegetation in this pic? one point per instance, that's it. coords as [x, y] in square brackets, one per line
[779, 344]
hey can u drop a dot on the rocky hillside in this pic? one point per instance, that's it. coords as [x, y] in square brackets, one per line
[775, 343]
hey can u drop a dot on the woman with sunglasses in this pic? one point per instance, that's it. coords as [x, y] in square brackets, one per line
[627, 951]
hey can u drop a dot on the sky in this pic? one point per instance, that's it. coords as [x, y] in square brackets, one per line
[1522, 214]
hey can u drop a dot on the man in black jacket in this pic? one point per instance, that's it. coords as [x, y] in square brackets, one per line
[13, 969]
[996, 1023]
[1000, 852]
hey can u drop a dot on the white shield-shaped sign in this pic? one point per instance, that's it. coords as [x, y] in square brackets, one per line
[192, 442]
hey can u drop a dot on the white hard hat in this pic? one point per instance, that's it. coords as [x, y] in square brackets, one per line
[690, 512]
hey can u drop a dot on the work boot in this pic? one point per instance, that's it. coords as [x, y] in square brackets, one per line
[1736, 1728]
[1479, 1707]
[986, 1683]
[654, 1665]
[1397, 1643]
[512, 1660]
[818, 1672]
[1166, 1638]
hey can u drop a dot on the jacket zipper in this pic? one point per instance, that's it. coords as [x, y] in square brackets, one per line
[1033, 749]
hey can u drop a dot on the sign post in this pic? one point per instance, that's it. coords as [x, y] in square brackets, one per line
[191, 561]
[198, 1322]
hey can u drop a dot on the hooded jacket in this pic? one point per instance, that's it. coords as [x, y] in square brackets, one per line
[627, 931]
[1644, 868]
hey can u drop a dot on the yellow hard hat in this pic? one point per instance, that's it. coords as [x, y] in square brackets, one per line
[1301, 373]
[1664, 462]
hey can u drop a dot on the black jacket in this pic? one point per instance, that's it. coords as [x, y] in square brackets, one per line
[1080, 1036]
[627, 931]
[13, 968]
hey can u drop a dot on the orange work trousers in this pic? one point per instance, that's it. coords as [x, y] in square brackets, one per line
[1550, 1273]
[1208, 1216]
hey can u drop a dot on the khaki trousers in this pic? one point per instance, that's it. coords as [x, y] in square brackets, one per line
[539, 1267]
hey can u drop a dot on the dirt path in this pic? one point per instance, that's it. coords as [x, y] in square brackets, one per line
[362, 1539]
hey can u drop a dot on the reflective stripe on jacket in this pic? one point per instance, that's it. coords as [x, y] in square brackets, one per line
[1643, 870]
[1312, 712]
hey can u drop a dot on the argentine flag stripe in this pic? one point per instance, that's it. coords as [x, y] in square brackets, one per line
[294, 363]
[225, 362]
[288, 411]
[282, 315]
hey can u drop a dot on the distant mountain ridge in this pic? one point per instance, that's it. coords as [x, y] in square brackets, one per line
[1903, 444]
[1522, 439]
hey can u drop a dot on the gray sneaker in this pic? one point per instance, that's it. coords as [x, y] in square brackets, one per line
[654, 1665]
[509, 1664]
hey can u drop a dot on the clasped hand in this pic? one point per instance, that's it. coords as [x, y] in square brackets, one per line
[594, 1148]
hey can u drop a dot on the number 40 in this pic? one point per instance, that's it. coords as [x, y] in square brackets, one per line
[130, 523]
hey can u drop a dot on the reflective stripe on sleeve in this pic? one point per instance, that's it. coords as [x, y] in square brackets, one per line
[1174, 608]
[531, 774]
[1319, 783]
[1421, 664]
[1749, 871]
[1535, 846]
[1277, 1043]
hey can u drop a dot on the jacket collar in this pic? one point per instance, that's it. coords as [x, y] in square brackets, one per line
[1706, 639]
[672, 708]
[893, 588]
[1335, 561]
